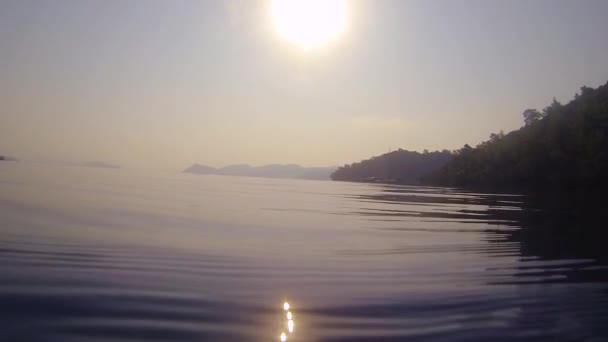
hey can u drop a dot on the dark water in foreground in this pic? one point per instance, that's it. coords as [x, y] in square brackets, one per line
[111, 255]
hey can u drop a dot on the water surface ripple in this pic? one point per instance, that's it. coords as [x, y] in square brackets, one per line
[114, 255]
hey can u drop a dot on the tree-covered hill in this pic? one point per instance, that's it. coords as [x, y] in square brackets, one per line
[402, 166]
[563, 146]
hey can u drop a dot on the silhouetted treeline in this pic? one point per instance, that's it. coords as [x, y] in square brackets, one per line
[564, 146]
[400, 166]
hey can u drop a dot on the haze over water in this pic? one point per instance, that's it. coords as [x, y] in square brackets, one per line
[111, 255]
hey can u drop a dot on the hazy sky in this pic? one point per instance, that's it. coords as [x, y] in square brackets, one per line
[164, 84]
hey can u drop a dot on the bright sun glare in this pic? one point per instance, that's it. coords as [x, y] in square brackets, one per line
[309, 23]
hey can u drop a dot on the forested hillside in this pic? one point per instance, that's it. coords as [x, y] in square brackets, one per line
[561, 146]
[402, 166]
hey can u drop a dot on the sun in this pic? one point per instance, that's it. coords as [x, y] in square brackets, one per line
[309, 24]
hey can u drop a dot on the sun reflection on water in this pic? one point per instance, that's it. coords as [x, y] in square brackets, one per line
[288, 321]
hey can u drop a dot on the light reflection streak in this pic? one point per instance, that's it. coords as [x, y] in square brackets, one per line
[288, 322]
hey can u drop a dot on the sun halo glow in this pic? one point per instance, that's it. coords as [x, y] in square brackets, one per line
[309, 24]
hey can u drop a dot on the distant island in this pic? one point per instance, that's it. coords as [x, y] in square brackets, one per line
[562, 146]
[7, 158]
[270, 171]
[100, 164]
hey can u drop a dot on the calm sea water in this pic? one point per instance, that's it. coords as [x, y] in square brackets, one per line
[117, 255]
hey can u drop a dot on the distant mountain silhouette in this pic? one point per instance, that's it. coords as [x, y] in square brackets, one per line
[269, 171]
[236, 170]
[401, 166]
[8, 158]
[201, 169]
[101, 164]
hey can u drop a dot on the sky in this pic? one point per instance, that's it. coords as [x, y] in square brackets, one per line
[164, 84]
